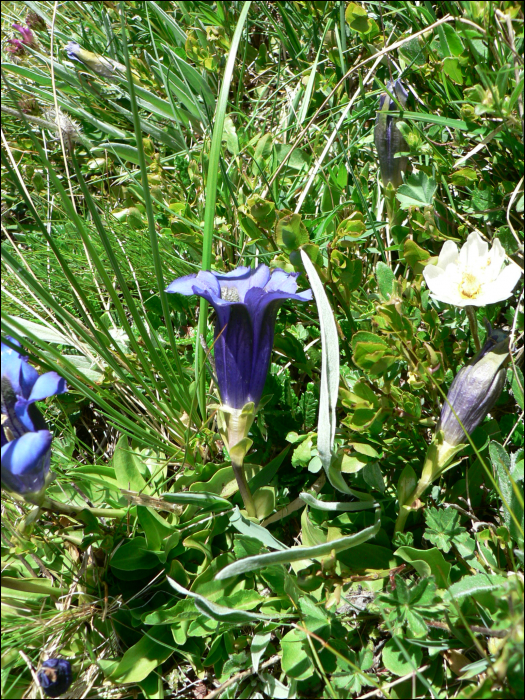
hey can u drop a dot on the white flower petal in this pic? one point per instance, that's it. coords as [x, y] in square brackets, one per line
[449, 255]
[439, 284]
[474, 253]
[500, 289]
[495, 261]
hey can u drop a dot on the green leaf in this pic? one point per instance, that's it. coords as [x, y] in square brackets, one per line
[142, 658]
[154, 526]
[357, 18]
[200, 498]
[385, 279]
[134, 556]
[515, 376]
[476, 584]
[401, 658]
[414, 254]
[463, 176]
[230, 136]
[371, 352]
[290, 232]
[127, 466]
[329, 376]
[417, 191]
[217, 612]
[296, 662]
[247, 527]
[428, 562]
[443, 527]
[452, 68]
[298, 553]
[258, 646]
[512, 493]
[336, 505]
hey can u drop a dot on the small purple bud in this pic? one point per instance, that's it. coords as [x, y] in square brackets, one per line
[55, 677]
[475, 389]
[388, 138]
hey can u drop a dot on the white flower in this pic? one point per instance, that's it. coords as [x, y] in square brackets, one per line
[473, 276]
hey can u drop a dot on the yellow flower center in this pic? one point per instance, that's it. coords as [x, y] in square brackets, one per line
[469, 287]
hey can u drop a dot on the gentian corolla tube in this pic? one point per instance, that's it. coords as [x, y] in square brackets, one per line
[55, 677]
[26, 441]
[246, 302]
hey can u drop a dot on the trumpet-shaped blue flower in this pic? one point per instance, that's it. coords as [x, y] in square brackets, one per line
[246, 302]
[26, 441]
[55, 677]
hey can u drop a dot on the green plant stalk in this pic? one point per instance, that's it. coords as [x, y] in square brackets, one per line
[473, 323]
[438, 457]
[56, 507]
[244, 489]
[211, 198]
[234, 426]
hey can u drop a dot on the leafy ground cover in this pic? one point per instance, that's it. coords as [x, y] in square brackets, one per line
[145, 141]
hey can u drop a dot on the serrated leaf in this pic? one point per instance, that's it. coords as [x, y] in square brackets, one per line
[417, 191]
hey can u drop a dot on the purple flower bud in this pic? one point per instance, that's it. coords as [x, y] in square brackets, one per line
[34, 21]
[475, 389]
[388, 138]
[55, 677]
[246, 302]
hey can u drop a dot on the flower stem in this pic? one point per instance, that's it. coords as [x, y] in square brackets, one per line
[247, 498]
[473, 322]
[56, 507]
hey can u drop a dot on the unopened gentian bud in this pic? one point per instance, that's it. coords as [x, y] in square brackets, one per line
[475, 389]
[55, 677]
[387, 137]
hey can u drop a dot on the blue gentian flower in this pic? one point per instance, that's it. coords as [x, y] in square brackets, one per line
[387, 137]
[246, 302]
[26, 441]
[55, 677]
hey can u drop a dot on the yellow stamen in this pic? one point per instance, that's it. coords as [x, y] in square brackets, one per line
[469, 287]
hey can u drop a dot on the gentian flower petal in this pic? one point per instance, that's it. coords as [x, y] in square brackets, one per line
[25, 462]
[11, 361]
[29, 418]
[48, 384]
[191, 284]
[233, 351]
[245, 280]
[55, 677]
[28, 377]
